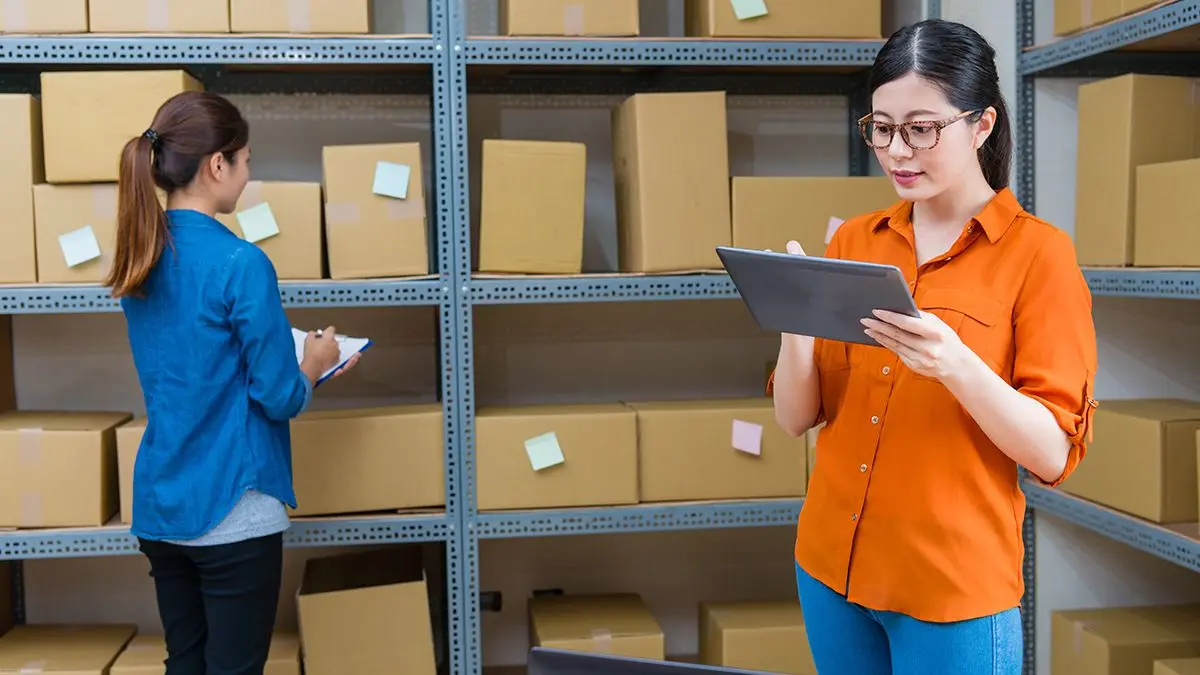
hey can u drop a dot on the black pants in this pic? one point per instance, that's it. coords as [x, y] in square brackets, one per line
[217, 603]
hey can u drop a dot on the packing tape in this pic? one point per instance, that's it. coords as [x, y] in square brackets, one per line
[29, 447]
[405, 209]
[1195, 92]
[33, 667]
[14, 15]
[252, 195]
[299, 18]
[158, 16]
[33, 510]
[1085, 12]
[602, 640]
[104, 202]
[342, 213]
[573, 19]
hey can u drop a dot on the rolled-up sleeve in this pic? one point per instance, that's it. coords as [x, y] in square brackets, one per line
[1055, 359]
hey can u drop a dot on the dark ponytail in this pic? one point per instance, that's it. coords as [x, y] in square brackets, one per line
[187, 129]
[961, 63]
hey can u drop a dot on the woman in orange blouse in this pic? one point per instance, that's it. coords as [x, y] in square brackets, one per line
[909, 549]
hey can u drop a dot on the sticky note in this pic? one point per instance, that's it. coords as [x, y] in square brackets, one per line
[832, 227]
[749, 9]
[79, 246]
[258, 223]
[747, 437]
[544, 451]
[391, 180]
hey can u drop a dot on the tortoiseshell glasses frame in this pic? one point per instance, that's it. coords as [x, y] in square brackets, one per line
[918, 134]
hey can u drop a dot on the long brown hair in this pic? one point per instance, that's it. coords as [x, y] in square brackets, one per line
[186, 130]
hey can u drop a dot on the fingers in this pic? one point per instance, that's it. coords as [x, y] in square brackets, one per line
[916, 326]
[329, 332]
[794, 248]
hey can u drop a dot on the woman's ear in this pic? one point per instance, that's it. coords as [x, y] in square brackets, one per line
[217, 166]
[984, 127]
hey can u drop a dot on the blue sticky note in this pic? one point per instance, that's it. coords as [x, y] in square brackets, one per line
[749, 9]
[258, 223]
[544, 451]
[391, 180]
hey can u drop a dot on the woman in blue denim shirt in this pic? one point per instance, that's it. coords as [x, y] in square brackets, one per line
[218, 369]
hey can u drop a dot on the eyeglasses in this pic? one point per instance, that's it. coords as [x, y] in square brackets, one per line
[918, 135]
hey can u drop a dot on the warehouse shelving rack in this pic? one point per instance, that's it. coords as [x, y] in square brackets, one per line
[1160, 40]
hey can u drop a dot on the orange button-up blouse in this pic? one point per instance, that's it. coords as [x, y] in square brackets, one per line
[911, 508]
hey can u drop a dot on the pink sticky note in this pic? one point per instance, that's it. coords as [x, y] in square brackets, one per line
[747, 437]
[834, 224]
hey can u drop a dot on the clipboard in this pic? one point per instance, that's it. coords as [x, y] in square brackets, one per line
[347, 348]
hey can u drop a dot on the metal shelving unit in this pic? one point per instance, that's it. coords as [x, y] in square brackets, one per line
[1160, 40]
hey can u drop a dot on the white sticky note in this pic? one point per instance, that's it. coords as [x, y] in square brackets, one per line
[747, 437]
[749, 9]
[258, 223]
[79, 246]
[544, 451]
[391, 180]
[832, 228]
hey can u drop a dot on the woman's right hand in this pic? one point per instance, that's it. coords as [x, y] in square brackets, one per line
[321, 352]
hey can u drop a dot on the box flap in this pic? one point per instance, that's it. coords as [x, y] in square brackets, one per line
[567, 618]
[61, 421]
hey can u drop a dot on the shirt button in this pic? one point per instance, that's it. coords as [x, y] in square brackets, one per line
[862, 468]
[854, 516]
[887, 370]
[874, 419]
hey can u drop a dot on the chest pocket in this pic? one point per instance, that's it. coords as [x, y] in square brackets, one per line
[983, 323]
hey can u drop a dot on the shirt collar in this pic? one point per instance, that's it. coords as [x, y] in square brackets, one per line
[995, 218]
[188, 217]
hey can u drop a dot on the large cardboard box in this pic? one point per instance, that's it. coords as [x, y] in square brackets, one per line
[76, 232]
[301, 16]
[159, 16]
[792, 19]
[146, 654]
[120, 105]
[556, 456]
[671, 170]
[1142, 460]
[129, 441]
[21, 147]
[366, 613]
[44, 16]
[531, 217]
[369, 459]
[1165, 198]
[1121, 640]
[718, 449]
[611, 18]
[375, 211]
[284, 220]
[1121, 123]
[63, 648]
[1071, 16]
[1177, 666]
[58, 469]
[761, 636]
[618, 624]
[769, 211]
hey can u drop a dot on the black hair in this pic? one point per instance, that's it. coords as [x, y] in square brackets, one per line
[959, 61]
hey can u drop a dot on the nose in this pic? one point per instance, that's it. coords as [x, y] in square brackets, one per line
[898, 149]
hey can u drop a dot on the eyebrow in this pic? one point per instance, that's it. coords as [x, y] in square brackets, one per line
[910, 114]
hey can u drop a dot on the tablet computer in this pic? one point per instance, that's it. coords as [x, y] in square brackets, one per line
[820, 297]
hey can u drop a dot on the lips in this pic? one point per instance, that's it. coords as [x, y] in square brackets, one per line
[906, 177]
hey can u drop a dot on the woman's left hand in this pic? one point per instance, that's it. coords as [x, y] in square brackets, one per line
[925, 344]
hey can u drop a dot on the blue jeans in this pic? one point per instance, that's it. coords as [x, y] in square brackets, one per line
[850, 639]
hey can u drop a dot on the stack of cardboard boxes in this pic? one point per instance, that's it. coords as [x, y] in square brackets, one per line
[675, 200]
[60, 186]
[186, 16]
[1138, 162]
[1155, 640]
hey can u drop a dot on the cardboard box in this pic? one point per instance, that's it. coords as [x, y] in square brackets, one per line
[760, 636]
[1143, 460]
[44, 16]
[1121, 640]
[1177, 667]
[532, 204]
[67, 649]
[159, 16]
[792, 19]
[370, 234]
[671, 171]
[294, 210]
[767, 212]
[366, 613]
[146, 653]
[21, 146]
[129, 441]
[300, 16]
[372, 459]
[697, 450]
[603, 18]
[72, 224]
[1165, 198]
[1121, 123]
[597, 445]
[618, 624]
[58, 469]
[1071, 16]
[120, 105]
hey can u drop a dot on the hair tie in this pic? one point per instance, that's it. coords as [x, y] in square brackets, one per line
[151, 135]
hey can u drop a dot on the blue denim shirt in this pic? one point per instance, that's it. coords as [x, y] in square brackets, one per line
[218, 370]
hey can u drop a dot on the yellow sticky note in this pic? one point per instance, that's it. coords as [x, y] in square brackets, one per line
[79, 246]
[257, 223]
[749, 9]
[544, 451]
[391, 180]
